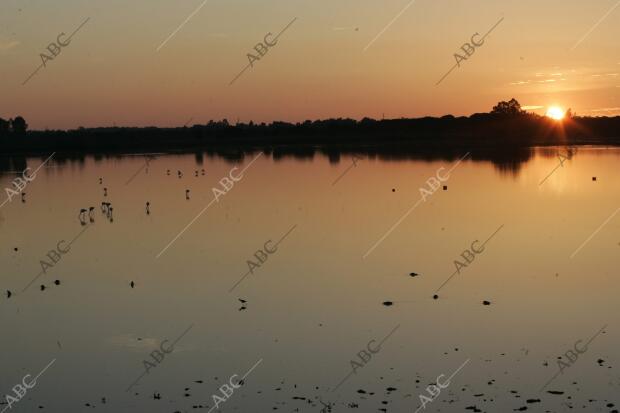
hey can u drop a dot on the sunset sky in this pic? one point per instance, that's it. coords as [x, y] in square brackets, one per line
[164, 62]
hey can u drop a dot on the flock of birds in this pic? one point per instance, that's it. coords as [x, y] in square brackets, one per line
[87, 215]
[363, 396]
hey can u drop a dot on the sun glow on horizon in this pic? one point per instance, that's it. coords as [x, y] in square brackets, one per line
[555, 112]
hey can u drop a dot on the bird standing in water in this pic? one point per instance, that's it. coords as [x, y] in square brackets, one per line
[82, 216]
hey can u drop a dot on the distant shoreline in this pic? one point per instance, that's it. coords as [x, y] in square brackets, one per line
[485, 131]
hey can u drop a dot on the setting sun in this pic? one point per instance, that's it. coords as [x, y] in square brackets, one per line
[555, 112]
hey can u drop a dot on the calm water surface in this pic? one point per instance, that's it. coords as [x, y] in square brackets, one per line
[314, 305]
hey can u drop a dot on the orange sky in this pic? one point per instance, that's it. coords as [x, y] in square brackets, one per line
[346, 58]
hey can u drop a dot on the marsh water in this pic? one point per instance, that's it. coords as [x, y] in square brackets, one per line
[307, 284]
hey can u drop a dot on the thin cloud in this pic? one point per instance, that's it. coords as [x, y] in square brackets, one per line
[606, 110]
[8, 45]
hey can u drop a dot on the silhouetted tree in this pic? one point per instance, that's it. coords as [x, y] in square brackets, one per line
[4, 127]
[510, 108]
[19, 125]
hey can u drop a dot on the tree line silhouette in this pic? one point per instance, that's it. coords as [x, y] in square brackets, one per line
[17, 126]
[506, 126]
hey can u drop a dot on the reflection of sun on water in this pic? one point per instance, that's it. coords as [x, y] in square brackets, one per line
[555, 112]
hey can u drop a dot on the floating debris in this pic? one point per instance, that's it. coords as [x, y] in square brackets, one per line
[388, 303]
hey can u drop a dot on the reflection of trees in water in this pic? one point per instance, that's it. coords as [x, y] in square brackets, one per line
[508, 161]
[553, 152]
[13, 165]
